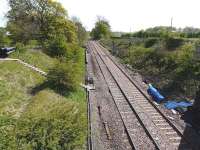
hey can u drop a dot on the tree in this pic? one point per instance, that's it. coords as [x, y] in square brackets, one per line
[4, 40]
[57, 47]
[101, 30]
[81, 31]
[39, 19]
[64, 76]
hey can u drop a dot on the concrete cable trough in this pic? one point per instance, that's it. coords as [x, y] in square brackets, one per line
[25, 64]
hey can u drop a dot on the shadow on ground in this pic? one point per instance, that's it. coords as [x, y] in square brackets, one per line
[61, 90]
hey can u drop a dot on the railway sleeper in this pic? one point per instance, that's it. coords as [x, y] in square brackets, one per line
[170, 133]
[161, 141]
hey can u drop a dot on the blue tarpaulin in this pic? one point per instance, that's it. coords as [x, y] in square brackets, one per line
[173, 104]
[155, 94]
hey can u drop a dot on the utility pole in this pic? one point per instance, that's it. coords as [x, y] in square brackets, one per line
[171, 23]
[113, 47]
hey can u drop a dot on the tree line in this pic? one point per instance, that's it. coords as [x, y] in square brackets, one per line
[163, 31]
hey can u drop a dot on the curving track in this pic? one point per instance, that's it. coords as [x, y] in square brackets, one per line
[146, 127]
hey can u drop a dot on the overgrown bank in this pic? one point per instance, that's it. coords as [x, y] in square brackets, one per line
[171, 64]
[34, 114]
[38, 112]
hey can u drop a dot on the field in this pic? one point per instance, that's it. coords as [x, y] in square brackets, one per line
[33, 115]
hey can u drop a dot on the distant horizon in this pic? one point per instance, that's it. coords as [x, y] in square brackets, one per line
[126, 17]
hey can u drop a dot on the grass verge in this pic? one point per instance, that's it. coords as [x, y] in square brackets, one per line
[45, 120]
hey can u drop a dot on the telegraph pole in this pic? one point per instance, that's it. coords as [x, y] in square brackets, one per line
[171, 23]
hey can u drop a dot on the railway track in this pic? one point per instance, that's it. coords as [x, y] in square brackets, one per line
[105, 124]
[146, 127]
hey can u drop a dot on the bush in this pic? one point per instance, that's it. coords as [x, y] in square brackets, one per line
[52, 122]
[139, 56]
[172, 43]
[150, 42]
[57, 47]
[32, 43]
[4, 39]
[20, 48]
[64, 76]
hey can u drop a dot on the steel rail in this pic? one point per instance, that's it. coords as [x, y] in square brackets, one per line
[102, 55]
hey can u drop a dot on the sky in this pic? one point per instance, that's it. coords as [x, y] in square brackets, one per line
[3, 10]
[130, 15]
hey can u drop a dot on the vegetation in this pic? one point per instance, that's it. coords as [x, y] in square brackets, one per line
[57, 47]
[39, 112]
[15, 81]
[67, 75]
[81, 32]
[4, 39]
[169, 62]
[164, 31]
[101, 29]
[43, 20]
[36, 58]
[33, 114]
[42, 112]
[57, 128]
[59, 37]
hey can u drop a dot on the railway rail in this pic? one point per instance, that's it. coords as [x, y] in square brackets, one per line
[146, 126]
[106, 130]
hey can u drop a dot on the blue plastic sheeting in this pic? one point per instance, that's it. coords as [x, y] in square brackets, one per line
[173, 105]
[155, 94]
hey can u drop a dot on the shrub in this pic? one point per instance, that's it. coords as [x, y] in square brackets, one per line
[32, 43]
[64, 76]
[57, 47]
[51, 122]
[20, 48]
[150, 42]
[4, 39]
[172, 43]
[185, 61]
[139, 55]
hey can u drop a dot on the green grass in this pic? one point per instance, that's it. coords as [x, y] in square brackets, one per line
[15, 83]
[36, 58]
[53, 121]
[46, 120]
